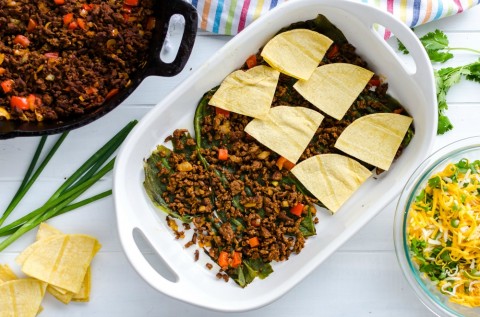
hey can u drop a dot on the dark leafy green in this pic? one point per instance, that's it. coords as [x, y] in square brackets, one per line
[307, 226]
[202, 111]
[322, 25]
[153, 187]
[249, 270]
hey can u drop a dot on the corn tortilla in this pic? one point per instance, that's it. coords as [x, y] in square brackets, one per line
[6, 274]
[21, 297]
[286, 130]
[84, 294]
[20, 259]
[296, 53]
[247, 92]
[62, 260]
[46, 231]
[374, 138]
[333, 88]
[332, 178]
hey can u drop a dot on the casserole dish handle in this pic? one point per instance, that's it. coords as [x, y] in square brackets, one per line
[421, 76]
[127, 225]
[189, 13]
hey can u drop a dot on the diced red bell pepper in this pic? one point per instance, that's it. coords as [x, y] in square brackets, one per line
[253, 242]
[22, 40]
[297, 209]
[126, 8]
[284, 163]
[333, 51]
[33, 101]
[222, 154]
[73, 25]
[59, 2]
[31, 25]
[91, 90]
[251, 61]
[67, 18]
[132, 3]
[88, 7]
[81, 23]
[220, 111]
[236, 259]
[7, 85]
[223, 259]
[375, 82]
[19, 102]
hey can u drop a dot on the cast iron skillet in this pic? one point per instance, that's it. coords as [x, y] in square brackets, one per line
[164, 10]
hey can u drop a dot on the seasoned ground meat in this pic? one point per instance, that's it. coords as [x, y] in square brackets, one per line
[59, 61]
[233, 201]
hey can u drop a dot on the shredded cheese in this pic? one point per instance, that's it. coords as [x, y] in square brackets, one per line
[446, 218]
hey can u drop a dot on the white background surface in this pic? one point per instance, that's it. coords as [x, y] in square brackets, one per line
[361, 279]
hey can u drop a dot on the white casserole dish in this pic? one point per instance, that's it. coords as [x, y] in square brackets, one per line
[415, 89]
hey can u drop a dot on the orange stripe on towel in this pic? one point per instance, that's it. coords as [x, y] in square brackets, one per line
[206, 11]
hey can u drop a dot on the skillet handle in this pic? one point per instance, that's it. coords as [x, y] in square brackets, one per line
[189, 13]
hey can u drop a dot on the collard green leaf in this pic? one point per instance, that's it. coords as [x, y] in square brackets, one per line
[322, 25]
[203, 110]
[249, 270]
[307, 226]
[154, 188]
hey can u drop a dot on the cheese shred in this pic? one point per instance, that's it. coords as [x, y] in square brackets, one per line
[444, 231]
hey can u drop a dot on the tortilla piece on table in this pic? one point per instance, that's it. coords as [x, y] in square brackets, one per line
[45, 230]
[84, 294]
[286, 130]
[20, 259]
[374, 138]
[62, 260]
[6, 273]
[66, 297]
[21, 297]
[332, 178]
[297, 52]
[333, 88]
[247, 92]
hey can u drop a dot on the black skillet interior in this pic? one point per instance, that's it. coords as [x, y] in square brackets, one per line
[164, 10]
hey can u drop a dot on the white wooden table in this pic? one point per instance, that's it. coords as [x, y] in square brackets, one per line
[361, 279]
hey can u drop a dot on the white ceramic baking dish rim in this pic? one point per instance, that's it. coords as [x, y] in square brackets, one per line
[413, 87]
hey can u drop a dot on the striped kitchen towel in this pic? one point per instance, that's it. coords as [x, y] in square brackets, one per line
[232, 16]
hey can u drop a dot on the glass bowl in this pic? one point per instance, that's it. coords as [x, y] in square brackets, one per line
[425, 290]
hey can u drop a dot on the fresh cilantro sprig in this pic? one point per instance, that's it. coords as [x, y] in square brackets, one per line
[437, 47]
[447, 77]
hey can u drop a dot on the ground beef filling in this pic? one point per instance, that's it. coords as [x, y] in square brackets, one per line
[251, 198]
[78, 54]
